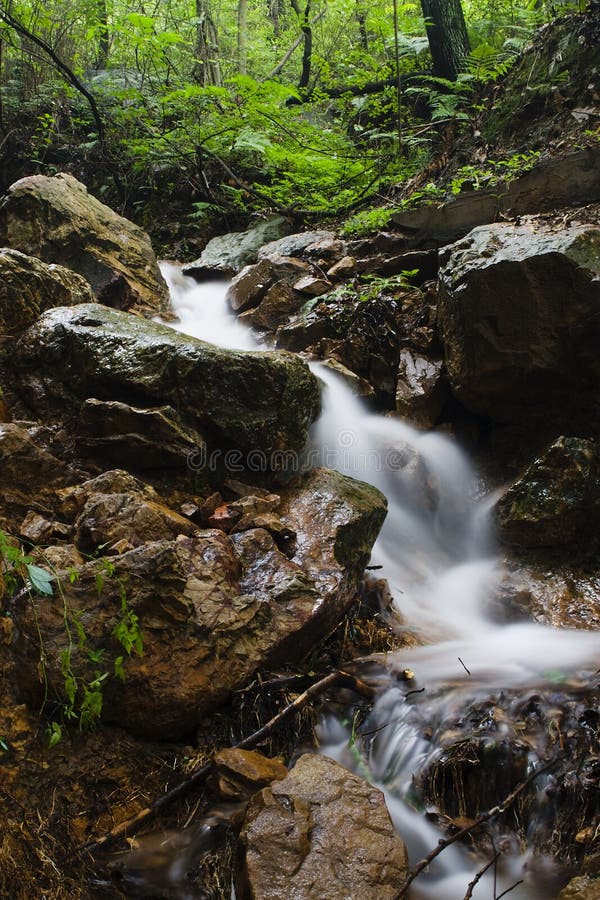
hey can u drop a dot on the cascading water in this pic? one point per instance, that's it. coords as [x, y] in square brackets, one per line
[437, 553]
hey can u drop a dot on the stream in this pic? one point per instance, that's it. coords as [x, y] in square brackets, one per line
[438, 553]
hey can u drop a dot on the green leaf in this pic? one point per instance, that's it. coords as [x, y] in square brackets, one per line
[54, 734]
[41, 580]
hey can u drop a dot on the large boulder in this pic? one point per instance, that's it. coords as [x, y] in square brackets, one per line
[29, 286]
[243, 402]
[556, 500]
[518, 314]
[226, 254]
[213, 608]
[55, 219]
[321, 832]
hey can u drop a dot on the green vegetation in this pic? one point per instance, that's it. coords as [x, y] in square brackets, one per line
[84, 666]
[314, 109]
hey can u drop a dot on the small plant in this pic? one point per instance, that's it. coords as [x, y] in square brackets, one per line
[18, 570]
[367, 221]
[428, 195]
[378, 284]
[83, 693]
[494, 172]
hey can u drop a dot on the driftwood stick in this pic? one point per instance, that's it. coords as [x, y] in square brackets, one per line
[339, 678]
[485, 817]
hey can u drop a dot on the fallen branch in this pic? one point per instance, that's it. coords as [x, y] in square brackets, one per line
[339, 678]
[485, 817]
[473, 884]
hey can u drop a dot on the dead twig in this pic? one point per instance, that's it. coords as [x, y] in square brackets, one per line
[338, 678]
[473, 884]
[485, 817]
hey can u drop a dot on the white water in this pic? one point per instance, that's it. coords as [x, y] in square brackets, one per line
[438, 556]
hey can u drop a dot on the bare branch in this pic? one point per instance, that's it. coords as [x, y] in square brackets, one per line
[485, 817]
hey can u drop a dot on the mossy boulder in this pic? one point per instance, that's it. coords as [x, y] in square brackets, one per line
[261, 403]
[557, 498]
[55, 219]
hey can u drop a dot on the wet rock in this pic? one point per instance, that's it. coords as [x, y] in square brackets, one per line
[335, 519]
[246, 401]
[224, 517]
[294, 244]
[364, 331]
[312, 287]
[29, 286]
[547, 592]
[38, 530]
[421, 389]
[152, 438]
[326, 251]
[289, 269]
[343, 269]
[71, 500]
[241, 773]
[279, 303]
[226, 254]
[581, 888]
[249, 287]
[213, 608]
[421, 264]
[55, 219]
[307, 329]
[557, 498]
[321, 832]
[359, 386]
[31, 476]
[107, 519]
[517, 312]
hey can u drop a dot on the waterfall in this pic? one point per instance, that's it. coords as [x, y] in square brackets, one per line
[438, 555]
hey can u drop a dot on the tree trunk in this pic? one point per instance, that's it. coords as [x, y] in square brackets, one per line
[306, 28]
[274, 16]
[447, 36]
[361, 17]
[242, 36]
[206, 66]
[102, 51]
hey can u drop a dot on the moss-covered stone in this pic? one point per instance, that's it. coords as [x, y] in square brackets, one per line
[556, 499]
[250, 402]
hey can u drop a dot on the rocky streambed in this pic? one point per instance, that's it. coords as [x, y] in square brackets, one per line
[199, 562]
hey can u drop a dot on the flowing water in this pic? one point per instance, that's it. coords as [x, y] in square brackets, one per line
[438, 555]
